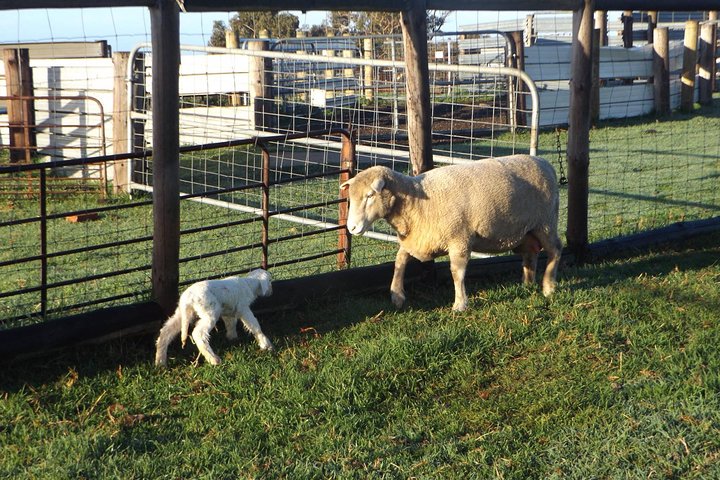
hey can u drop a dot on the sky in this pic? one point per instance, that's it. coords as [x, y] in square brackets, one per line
[124, 27]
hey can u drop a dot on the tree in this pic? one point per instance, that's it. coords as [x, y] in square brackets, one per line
[380, 23]
[217, 37]
[278, 24]
[250, 24]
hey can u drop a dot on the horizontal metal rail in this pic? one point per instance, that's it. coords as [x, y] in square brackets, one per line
[265, 213]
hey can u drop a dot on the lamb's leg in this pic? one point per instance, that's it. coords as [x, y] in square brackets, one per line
[397, 287]
[201, 335]
[252, 325]
[458, 264]
[167, 333]
[230, 327]
[553, 247]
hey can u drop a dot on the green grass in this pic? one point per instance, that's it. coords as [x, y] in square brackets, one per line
[616, 376]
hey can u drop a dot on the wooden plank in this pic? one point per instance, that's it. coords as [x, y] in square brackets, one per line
[63, 49]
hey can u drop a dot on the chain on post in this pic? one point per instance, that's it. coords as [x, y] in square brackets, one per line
[563, 179]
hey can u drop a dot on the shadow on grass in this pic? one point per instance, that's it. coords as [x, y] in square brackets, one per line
[299, 325]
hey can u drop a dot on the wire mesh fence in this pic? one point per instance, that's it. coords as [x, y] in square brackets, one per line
[646, 170]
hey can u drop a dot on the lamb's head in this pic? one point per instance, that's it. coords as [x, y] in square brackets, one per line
[265, 281]
[370, 198]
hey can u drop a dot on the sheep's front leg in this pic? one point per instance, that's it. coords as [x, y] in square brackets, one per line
[252, 325]
[397, 287]
[458, 264]
[230, 327]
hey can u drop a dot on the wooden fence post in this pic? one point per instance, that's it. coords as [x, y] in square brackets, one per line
[706, 62]
[595, 77]
[165, 25]
[260, 70]
[687, 86]
[601, 24]
[713, 17]
[651, 25]
[21, 112]
[661, 71]
[368, 54]
[519, 62]
[418, 105]
[578, 146]
[627, 32]
[120, 121]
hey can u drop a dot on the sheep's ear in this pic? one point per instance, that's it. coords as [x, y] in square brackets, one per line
[346, 185]
[377, 185]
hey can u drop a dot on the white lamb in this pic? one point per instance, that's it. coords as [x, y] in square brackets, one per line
[490, 206]
[229, 298]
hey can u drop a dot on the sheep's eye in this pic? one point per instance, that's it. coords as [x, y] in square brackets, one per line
[370, 194]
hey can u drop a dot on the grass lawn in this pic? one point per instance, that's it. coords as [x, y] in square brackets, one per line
[616, 376]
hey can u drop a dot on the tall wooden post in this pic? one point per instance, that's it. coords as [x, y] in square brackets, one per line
[419, 107]
[627, 32]
[578, 146]
[651, 25]
[601, 24]
[120, 121]
[259, 72]
[595, 77]
[368, 54]
[661, 71]
[21, 111]
[687, 87]
[165, 24]
[713, 17]
[706, 62]
[519, 62]
[231, 41]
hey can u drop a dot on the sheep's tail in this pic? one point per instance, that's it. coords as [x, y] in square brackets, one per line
[186, 314]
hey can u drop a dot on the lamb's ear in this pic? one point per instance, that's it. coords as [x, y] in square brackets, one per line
[346, 185]
[377, 185]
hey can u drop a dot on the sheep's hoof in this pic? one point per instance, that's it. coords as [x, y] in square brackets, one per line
[398, 299]
[459, 306]
[548, 290]
[214, 360]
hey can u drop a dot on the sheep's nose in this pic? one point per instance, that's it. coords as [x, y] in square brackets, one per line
[354, 228]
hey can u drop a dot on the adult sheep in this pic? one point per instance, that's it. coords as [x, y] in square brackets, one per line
[489, 206]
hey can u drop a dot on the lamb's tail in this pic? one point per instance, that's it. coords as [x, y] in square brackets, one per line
[186, 315]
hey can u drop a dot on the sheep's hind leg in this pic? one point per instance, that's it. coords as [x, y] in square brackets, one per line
[553, 247]
[397, 287]
[529, 249]
[458, 265]
[201, 336]
[167, 333]
[252, 325]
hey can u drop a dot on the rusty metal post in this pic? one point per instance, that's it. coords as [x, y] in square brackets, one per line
[347, 164]
[265, 203]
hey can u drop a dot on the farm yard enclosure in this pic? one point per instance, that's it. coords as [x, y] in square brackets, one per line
[645, 172]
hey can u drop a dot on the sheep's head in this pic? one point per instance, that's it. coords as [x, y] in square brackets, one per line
[265, 281]
[370, 198]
